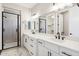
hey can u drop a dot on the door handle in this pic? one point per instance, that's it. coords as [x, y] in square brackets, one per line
[4, 16]
[25, 40]
[16, 30]
[3, 29]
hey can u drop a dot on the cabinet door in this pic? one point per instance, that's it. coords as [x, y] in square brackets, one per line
[52, 53]
[25, 41]
[42, 51]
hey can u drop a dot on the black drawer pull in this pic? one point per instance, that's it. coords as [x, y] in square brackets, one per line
[31, 53]
[31, 45]
[31, 39]
[25, 40]
[48, 53]
[40, 42]
[66, 54]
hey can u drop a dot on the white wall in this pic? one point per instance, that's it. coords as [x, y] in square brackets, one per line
[74, 21]
[25, 15]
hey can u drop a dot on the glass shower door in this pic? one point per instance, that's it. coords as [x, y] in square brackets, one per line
[9, 30]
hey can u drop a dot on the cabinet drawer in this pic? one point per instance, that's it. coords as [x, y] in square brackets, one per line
[32, 46]
[52, 47]
[26, 41]
[32, 40]
[31, 53]
[32, 49]
[54, 53]
[68, 52]
[25, 38]
[40, 42]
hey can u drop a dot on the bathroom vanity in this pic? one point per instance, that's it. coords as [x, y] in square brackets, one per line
[48, 45]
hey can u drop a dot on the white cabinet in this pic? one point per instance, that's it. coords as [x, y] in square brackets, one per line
[50, 49]
[53, 49]
[40, 47]
[47, 49]
[52, 53]
[42, 51]
[32, 46]
[32, 49]
[52, 46]
[26, 38]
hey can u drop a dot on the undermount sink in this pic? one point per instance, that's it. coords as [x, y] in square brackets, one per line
[57, 40]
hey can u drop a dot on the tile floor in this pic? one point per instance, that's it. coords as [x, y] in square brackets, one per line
[16, 51]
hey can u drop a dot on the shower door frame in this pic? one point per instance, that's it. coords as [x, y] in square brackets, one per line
[18, 29]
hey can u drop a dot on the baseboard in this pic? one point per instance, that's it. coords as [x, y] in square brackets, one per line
[0, 52]
[9, 45]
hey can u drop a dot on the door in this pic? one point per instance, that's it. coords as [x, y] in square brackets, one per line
[42, 26]
[10, 30]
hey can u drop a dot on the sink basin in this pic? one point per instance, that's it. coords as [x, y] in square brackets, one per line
[57, 40]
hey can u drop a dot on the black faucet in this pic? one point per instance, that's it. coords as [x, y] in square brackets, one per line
[58, 35]
[63, 38]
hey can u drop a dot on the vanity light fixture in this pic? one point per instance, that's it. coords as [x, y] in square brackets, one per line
[60, 6]
[52, 16]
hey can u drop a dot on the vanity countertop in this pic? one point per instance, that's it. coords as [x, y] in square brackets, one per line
[68, 43]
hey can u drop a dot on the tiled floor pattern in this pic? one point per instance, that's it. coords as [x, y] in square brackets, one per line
[17, 51]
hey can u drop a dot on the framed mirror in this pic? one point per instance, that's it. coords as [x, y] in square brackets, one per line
[42, 25]
[29, 25]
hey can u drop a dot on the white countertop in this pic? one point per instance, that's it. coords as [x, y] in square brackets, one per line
[71, 44]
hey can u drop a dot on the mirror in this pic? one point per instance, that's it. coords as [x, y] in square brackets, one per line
[34, 25]
[48, 23]
[74, 21]
[42, 25]
[64, 23]
[51, 23]
[69, 22]
[29, 25]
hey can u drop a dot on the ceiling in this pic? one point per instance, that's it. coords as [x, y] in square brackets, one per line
[27, 5]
